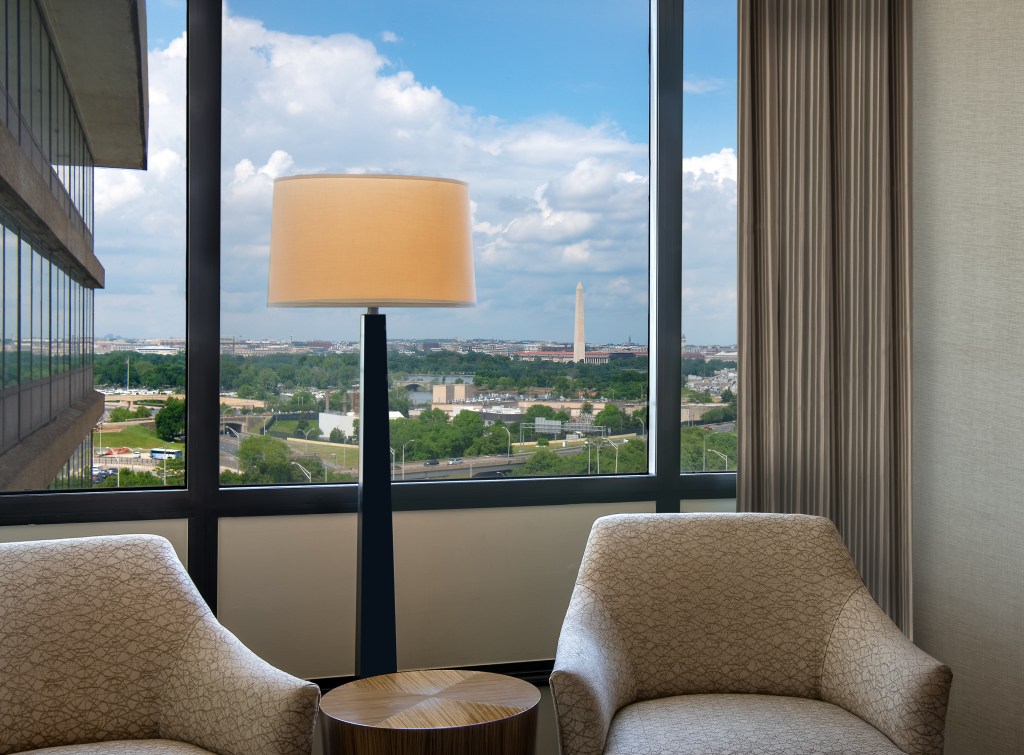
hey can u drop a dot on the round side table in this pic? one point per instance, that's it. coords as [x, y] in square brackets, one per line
[435, 712]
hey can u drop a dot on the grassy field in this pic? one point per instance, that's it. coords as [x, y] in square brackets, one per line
[291, 425]
[135, 436]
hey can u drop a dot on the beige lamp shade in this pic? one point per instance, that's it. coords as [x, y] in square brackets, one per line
[370, 241]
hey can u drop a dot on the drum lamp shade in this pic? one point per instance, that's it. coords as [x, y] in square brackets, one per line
[370, 241]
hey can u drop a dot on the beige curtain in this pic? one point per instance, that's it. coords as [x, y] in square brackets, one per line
[824, 274]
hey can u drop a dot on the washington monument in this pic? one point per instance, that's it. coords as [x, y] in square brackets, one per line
[579, 346]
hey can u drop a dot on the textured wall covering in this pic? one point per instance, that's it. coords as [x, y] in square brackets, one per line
[968, 353]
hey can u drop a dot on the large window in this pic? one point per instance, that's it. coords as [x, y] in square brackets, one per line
[228, 202]
[709, 359]
[140, 313]
[543, 110]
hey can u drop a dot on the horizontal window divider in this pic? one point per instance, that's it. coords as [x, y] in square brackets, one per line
[82, 506]
[472, 494]
[283, 500]
[708, 485]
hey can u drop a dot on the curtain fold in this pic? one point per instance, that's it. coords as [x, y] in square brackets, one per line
[824, 275]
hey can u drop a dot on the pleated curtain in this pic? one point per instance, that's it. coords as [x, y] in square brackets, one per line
[824, 275]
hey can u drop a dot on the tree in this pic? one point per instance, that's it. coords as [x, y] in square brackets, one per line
[538, 410]
[170, 421]
[610, 416]
[546, 463]
[120, 414]
[726, 413]
[336, 436]
[265, 459]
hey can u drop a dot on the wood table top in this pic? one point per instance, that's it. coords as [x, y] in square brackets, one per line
[431, 699]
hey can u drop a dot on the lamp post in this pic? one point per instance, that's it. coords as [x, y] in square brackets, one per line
[719, 453]
[309, 477]
[509, 454]
[612, 444]
[374, 241]
[403, 455]
[392, 463]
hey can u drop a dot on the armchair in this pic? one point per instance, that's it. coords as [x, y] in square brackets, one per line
[736, 633]
[106, 647]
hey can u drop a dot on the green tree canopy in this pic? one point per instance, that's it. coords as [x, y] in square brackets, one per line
[170, 421]
[265, 459]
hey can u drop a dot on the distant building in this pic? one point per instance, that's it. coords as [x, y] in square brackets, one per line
[453, 393]
[74, 98]
[579, 343]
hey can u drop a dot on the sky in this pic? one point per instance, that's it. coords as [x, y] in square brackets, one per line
[540, 106]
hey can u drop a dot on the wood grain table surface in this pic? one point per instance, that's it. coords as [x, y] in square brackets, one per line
[429, 713]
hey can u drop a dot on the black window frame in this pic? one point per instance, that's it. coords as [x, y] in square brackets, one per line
[203, 502]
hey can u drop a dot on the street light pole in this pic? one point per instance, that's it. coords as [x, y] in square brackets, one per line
[719, 453]
[309, 476]
[403, 455]
[612, 444]
[509, 455]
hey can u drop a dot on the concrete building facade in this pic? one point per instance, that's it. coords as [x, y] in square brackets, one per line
[73, 96]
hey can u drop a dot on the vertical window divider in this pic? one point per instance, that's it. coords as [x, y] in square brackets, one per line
[203, 291]
[666, 145]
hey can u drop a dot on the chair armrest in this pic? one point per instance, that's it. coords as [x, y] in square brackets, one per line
[593, 675]
[221, 696]
[872, 670]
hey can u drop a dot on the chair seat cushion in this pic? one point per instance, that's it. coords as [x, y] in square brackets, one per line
[723, 724]
[127, 747]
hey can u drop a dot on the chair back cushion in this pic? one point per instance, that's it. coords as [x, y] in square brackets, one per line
[87, 628]
[721, 602]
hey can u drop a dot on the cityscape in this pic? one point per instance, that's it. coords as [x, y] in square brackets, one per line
[461, 409]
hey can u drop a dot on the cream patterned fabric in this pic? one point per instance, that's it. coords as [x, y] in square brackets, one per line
[127, 747]
[107, 640]
[754, 606]
[765, 724]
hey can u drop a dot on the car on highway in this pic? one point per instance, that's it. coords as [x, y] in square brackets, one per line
[431, 463]
[456, 460]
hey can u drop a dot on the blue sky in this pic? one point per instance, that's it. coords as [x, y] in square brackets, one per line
[540, 106]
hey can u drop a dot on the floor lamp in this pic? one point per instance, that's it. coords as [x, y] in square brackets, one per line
[372, 241]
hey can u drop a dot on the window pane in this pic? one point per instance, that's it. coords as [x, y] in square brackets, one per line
[10, 313]
[139, 326]
[709, 356]
[542, 108]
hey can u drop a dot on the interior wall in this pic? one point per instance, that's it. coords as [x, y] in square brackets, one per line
[472, 586]
[968, 357]
[175, 530]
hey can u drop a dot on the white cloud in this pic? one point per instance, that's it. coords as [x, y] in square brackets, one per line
[703, 86]
[140, 217]
[390, 37]
[554, 200]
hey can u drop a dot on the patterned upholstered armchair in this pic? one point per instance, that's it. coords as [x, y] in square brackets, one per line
[736, 633]
[106, 647]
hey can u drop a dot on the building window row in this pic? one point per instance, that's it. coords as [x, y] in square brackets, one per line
[47, 327]
[77, 473]
[38, 109]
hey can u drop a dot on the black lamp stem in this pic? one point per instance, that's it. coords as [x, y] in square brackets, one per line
[375, 590]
